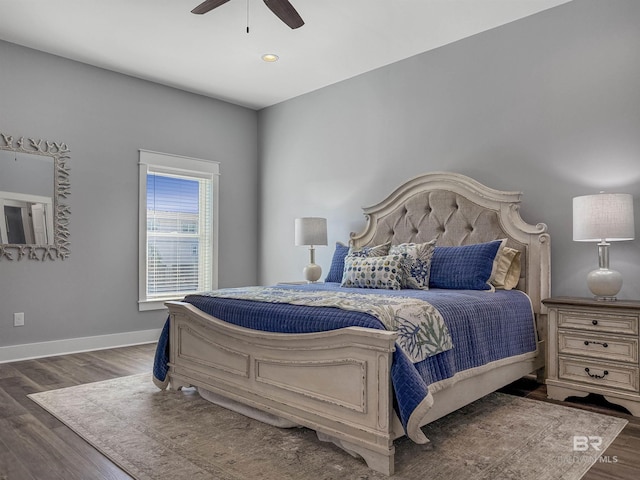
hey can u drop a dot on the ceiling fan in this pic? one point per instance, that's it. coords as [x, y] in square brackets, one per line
[282, 9]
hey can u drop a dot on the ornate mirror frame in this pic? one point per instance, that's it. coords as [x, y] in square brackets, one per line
[59, 152]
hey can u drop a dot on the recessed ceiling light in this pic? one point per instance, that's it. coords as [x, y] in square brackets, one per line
[270, 57]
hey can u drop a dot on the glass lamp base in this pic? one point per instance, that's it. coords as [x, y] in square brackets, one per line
[604, 284]
[312, 272]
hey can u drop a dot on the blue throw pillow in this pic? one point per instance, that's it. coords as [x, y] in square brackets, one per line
[337, 263]
[467, 267]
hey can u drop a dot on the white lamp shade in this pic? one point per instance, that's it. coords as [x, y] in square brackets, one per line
[603, 217]
[311, 231]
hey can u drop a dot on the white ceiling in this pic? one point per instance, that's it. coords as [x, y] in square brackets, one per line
[211, 54]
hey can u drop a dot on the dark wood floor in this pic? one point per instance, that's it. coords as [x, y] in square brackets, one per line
[35, 445]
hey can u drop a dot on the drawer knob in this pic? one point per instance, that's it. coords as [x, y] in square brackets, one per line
[595, 322]
[593, 375]
[589, 342]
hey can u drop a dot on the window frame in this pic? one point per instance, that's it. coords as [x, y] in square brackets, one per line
[150, 161]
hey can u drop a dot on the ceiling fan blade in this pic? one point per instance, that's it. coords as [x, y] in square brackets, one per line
[207, 6]
[285, 12]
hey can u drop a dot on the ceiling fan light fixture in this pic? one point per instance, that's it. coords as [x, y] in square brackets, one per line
[270, 57]
[281, 9]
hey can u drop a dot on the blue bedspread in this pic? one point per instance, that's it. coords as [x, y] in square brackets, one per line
[485, 327]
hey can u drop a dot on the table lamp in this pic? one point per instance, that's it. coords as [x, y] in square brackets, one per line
[311, 231]
[603, 218]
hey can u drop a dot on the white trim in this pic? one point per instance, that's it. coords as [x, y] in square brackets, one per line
[155, 303]
[28, 351]
[24, 197]
[170, 160]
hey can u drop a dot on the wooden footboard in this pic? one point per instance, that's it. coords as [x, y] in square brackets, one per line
[335, 382]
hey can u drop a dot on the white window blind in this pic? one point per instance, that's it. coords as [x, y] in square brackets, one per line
[180, 216]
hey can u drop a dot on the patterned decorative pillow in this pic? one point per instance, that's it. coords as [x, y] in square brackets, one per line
[506, 275]
[468, 267]
[337, 263]
[374, 272]
[340, 253]
[418, 256]
[376, 251]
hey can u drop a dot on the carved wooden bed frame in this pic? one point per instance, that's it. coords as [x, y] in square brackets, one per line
[338, 382]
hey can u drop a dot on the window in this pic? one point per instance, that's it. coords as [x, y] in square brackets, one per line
[178, 227]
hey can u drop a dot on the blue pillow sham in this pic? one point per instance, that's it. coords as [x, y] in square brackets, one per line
[337, 263]
[466, 267]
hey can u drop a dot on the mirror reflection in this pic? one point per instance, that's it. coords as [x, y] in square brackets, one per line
[26, 198]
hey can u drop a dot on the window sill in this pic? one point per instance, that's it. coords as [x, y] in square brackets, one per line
[155, 304]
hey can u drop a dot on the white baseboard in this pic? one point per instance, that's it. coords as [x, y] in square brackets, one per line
[28, 351]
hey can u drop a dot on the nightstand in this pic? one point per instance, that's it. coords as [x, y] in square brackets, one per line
[593, 348]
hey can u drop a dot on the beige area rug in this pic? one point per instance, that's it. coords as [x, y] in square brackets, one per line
[159, 435]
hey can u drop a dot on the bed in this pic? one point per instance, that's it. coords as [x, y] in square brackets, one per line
[344, 383]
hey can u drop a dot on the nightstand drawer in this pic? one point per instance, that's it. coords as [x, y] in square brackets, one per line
[623, 349]
[598, 321]
[598, 373]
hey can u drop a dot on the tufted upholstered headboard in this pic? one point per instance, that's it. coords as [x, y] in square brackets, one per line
[461, 211]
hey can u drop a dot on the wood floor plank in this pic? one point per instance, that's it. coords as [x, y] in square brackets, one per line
[10, 407]
[35, 371]
[11, 467]
[35, 446]
[7, 370]
[17, 388]
[621, 458]
[71, 372]
[108, 470]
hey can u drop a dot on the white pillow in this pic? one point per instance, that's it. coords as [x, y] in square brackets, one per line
[506, 273]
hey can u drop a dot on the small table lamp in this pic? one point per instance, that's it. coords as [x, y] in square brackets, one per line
[311, 231]
[603, 218]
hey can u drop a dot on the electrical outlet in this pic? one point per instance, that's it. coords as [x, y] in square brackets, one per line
[18, 319]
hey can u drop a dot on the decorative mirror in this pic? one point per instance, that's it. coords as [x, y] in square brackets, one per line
[34, 181]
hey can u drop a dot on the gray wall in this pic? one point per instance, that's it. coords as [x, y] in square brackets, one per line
[105, 118]
[548, 105]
